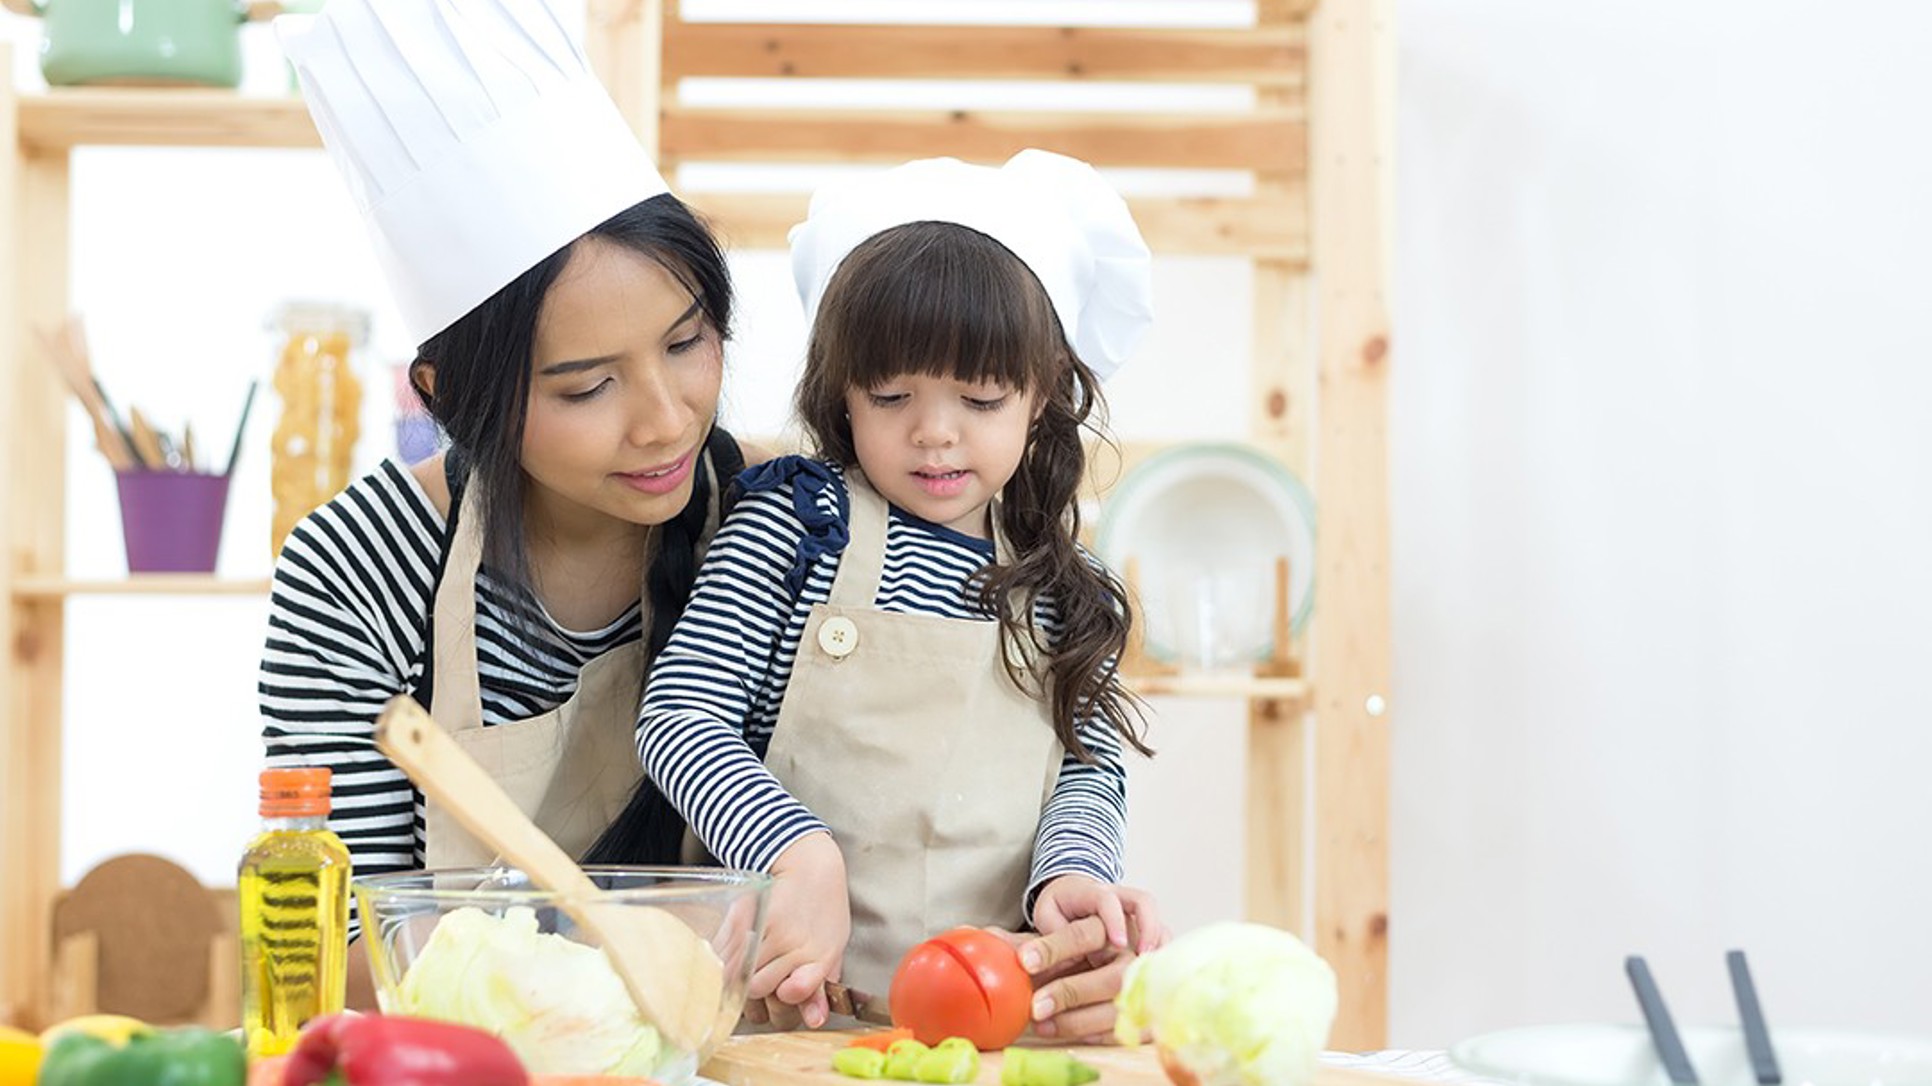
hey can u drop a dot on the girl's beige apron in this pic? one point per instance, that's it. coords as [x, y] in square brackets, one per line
[935, 809]
[571, 769]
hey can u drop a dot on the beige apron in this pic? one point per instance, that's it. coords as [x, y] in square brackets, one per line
[905, 734]
[571, 769]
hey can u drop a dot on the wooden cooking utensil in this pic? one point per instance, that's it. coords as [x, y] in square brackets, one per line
[147, 440]
[69, 355]
[672, 974]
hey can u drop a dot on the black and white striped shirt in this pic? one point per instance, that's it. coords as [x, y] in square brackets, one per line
[715, 691]
[346, 630]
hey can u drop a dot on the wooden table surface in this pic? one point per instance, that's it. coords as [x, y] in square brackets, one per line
[805, 1059]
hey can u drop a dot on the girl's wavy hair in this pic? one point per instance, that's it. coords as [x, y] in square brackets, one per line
[481, 399]
[942, 300]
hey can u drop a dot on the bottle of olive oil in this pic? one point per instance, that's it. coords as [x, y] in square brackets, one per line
[293, 886]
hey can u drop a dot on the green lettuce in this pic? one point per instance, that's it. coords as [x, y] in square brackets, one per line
[557, 1003]
[1231, 1005]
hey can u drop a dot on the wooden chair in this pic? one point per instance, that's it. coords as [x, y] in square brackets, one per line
[140, 936]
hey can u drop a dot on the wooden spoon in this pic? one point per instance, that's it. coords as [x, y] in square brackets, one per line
[68, 352]
[672, 974]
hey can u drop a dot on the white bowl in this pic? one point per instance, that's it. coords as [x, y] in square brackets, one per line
[1622, 1055]
[1204, 525]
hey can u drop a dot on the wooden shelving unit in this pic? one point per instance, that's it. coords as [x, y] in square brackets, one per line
[56, 121]
[43, 129]
[1314, 228]
[147, 584]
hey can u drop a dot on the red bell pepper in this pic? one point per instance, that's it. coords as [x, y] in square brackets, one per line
[390, 1050]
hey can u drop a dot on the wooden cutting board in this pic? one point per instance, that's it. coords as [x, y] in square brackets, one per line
[805, 1059]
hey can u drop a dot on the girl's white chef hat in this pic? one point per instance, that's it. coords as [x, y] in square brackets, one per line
[1055, 213]
[474, 138]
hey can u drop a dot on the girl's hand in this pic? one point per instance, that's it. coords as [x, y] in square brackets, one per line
[1129, 916]
[804, 945]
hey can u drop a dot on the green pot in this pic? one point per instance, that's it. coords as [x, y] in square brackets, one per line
[141, 42]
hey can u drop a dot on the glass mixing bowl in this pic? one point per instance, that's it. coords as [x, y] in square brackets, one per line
[482, 946]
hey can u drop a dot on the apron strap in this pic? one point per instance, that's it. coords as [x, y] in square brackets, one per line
[857, 583]
[456, 476]
[459, 700]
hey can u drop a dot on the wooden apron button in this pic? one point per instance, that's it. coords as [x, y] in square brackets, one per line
[838, 636]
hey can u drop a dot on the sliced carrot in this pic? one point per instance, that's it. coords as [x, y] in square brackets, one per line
[880, 1039]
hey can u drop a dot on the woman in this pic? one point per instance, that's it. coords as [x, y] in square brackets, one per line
[571, 315]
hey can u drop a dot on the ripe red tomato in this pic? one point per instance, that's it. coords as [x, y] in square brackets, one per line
[965, 983]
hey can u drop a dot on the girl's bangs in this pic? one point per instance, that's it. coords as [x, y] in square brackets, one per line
[971, 313]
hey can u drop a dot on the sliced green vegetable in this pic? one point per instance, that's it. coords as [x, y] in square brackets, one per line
[856, 1062]
[1043, 1067]
[902, 1060]
[952, 1060]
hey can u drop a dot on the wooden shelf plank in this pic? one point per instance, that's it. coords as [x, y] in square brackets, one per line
[1274, 56]
[1202, 226]
[1350, 179]
[1269, 13]
[64, 118]
[1272, 139]
[141, 584]
[1204, 685]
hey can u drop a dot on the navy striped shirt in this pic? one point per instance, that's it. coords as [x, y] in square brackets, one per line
[715, 691]
[346, 624]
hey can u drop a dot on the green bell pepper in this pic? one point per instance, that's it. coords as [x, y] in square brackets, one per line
[189, 1056]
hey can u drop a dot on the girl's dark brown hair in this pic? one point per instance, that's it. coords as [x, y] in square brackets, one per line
[941, 300]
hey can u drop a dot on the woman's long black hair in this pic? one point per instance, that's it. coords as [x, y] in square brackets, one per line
[481, 398]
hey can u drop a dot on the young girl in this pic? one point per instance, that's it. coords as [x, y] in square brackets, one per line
[896, 679]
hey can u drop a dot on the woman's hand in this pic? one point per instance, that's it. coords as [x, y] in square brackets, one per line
[804, 945]
[1076, 973]
[1078, 967]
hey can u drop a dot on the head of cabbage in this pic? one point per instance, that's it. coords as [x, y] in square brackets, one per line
[557, 1003]
[1230, 1005]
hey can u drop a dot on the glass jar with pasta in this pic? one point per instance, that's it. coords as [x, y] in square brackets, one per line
[314, 442]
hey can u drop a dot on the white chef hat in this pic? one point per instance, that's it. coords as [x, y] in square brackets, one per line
[1053, 212]
[474, 139]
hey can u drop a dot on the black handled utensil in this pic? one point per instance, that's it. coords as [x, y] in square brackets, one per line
[1757, 1039]
[1663, 1032]
[241, 427]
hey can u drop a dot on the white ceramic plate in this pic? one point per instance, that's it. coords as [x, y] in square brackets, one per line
[1204, 525]
[1621, 1055]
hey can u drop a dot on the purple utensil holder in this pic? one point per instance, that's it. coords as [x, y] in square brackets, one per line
[172, 520]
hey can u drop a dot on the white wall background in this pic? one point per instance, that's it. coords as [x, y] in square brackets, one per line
[1662, 509]
[1660, 502]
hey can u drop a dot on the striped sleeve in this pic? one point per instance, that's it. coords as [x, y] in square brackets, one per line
[345, 630]
[722, 663]
[1083, 827]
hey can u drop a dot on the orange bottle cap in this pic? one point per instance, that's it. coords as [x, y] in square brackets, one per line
[295, 793]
